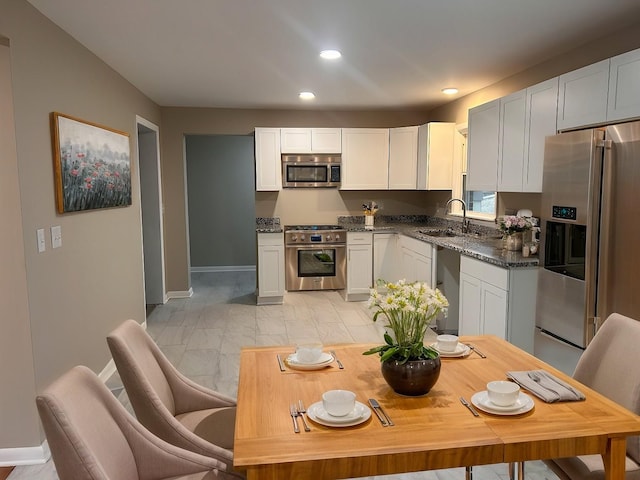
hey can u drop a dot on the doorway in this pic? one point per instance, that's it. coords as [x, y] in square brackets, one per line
[151, 206]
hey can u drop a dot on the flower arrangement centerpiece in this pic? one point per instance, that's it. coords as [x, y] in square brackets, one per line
[409, 309]
[510, 224]
[369, 210]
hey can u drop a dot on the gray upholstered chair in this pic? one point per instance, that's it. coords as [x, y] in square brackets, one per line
[93, 437]
[609, 365]
[169, 404]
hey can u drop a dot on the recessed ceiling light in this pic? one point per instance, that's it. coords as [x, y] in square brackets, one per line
[307, 95]
[450, 91]
[330, 54]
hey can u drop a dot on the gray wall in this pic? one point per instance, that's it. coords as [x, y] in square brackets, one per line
[61, 303]
[221, 200]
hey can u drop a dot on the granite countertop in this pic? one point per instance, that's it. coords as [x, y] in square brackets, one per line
[484, 245]
[268, 225]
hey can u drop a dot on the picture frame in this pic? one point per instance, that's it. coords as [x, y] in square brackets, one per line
[92, 165]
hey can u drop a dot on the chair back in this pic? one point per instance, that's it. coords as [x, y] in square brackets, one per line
[84, 425]
[142, 368]
[609, 365]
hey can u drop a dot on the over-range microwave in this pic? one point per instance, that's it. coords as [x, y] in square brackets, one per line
[311, 171]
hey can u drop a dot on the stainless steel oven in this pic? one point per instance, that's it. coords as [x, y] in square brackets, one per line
[315, 257]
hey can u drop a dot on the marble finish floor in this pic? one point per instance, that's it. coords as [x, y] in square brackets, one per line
[202, 336]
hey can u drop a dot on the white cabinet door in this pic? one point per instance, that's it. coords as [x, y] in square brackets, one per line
[469, 322]
[359, 262]
[493, 310]
[403, 158]
[385, 257]
[542, 108]
[582, 96]
[436, 146]
[624, 87]
[311, 140]
[365, 159]
[482, 166]
[326, 140]
[268, 163]
[511, 142]
[295, 140]
[416, 261]
[270, 268]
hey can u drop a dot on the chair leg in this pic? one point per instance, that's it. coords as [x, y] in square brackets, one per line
[512, 470]
[468, 473]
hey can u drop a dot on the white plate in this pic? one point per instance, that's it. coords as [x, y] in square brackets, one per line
[318, 414]
[461, 350]
[325, 360]
[522, 405]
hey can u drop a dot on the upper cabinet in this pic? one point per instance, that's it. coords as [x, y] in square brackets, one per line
[436, 146]
[582, 96]
[268, 164]
[310, 140]
[403, 158]
[365, 159]
[624, 87]
[482, 146]
[506, 139]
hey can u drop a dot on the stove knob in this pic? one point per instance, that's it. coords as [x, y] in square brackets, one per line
[337, 237]
[328, 239]
[294, 238]
[302, 237]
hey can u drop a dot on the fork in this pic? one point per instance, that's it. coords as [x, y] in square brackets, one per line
[536, 378]
[302, 411]
[294, 417]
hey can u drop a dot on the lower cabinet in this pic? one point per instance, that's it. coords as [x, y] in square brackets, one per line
[359, 265]
[270, 268]
[385, 257]
[417, 261]
[498, 301]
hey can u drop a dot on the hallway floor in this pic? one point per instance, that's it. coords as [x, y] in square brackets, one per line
[202, 336]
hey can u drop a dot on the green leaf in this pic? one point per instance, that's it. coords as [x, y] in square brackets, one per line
[377, 349]
[388, 354]
[388, 339]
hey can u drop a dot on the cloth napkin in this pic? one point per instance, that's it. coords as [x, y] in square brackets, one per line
[546, 386]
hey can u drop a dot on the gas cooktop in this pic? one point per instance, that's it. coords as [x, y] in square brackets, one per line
[312, 227]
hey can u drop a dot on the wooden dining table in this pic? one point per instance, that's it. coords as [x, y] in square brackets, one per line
[431, 432]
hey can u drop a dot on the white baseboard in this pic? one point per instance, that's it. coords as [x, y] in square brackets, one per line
[10, 457]
[180, 294]
[226, 268]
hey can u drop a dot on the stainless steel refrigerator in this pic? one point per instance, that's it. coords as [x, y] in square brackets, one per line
[590, 238]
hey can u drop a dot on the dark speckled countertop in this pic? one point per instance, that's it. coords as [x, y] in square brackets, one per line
[485, 244]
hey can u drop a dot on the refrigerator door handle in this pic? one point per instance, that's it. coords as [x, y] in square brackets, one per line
[605, 244]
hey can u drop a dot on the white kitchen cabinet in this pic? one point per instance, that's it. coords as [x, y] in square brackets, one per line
[624, 87]
[311, 140]
[417, 261]
[403, 158]
[482, 146]
[436, 146]
[365, 159]
[270, 268]
[582, 96]
[511, 135]
[359, 265]
[268, 163]
[497, 301]
[385, 257]
[540, 121]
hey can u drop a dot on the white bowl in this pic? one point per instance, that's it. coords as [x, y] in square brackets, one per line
[447, 343]
[309, 352]
[339, 402]
[503, 393]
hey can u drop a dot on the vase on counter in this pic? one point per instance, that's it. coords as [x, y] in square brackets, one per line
[368, 221]
[513, 242]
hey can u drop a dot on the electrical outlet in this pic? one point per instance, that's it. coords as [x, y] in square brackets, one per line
[42, 245]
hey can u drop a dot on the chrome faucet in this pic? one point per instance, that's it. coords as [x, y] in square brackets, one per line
[465, 223]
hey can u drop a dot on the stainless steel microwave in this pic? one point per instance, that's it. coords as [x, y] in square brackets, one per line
[311, 171]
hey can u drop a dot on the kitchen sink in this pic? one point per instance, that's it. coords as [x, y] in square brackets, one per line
[439, 233]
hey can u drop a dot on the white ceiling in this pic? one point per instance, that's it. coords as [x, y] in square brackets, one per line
[261, 53]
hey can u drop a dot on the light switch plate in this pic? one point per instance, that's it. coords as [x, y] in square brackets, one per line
[42, 245]
[56, 236]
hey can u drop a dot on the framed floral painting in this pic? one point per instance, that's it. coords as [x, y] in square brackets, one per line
[92, 165]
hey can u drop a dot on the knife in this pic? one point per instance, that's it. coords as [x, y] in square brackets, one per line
[469, 406]
[387, 422]
[282, 369]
